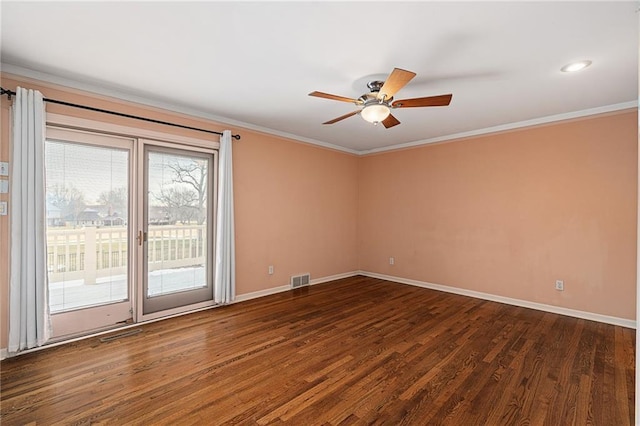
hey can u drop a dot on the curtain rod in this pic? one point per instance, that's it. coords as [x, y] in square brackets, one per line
[10, 93]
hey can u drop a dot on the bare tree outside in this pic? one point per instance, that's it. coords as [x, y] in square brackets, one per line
[182, 196]
[193, 173]
[67, 198]
[179, 204]
[115, 199]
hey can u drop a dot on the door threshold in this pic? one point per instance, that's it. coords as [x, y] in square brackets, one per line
[62, 340]
[121, 335]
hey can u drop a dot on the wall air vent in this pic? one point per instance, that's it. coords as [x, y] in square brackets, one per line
[300, 280]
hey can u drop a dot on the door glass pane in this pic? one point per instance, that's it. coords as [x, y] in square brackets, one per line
[87, 202]
[177, 215]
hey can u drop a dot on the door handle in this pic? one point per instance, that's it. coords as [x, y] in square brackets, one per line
[142, 237]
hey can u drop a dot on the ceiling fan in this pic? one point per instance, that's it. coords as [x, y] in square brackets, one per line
[377, 105]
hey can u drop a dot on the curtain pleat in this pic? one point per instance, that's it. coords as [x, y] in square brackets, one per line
[225, 273]
[29, 321]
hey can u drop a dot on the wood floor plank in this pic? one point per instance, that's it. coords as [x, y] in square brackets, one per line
[354, 351]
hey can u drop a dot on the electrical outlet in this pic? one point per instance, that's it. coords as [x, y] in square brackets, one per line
[4, 186]
[270, 269]
[392, 261]
[4, 168]
[559, 285]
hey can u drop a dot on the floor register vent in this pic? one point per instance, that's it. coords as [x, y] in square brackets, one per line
[300, 280]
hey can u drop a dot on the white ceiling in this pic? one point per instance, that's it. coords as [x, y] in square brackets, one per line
[255, 62]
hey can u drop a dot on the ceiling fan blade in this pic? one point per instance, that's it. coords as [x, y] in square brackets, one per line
[342, 117]
[390, 121]
[333, 97]
[396, 81]
[441, 100]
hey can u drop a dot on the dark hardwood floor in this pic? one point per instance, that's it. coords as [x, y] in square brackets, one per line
[354, 351]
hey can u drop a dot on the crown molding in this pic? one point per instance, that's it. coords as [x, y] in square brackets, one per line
[123, 96]
[511, 126]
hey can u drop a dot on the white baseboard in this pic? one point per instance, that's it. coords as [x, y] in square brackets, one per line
[282, 288]
[261, 293]
[623, 322]
[334, 277]
[3, 353]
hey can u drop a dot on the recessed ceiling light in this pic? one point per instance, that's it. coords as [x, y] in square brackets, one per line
[575, 66]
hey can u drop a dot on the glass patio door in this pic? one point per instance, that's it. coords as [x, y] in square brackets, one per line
[177, 233]
[129, 229]
[88, 184]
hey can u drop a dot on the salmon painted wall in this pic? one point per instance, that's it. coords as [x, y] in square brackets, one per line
[296, 209]
[505, 214]
[295, 203]
[510, 213]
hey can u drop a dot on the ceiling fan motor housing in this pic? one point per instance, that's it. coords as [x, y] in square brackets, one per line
[375, 85]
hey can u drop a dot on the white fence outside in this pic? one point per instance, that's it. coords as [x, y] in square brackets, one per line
[89, 253]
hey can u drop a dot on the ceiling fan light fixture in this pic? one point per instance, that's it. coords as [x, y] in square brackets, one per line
[575, 66]
[375, 113]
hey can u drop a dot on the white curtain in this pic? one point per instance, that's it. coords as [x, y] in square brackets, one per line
[29, 324]
[225, 281]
